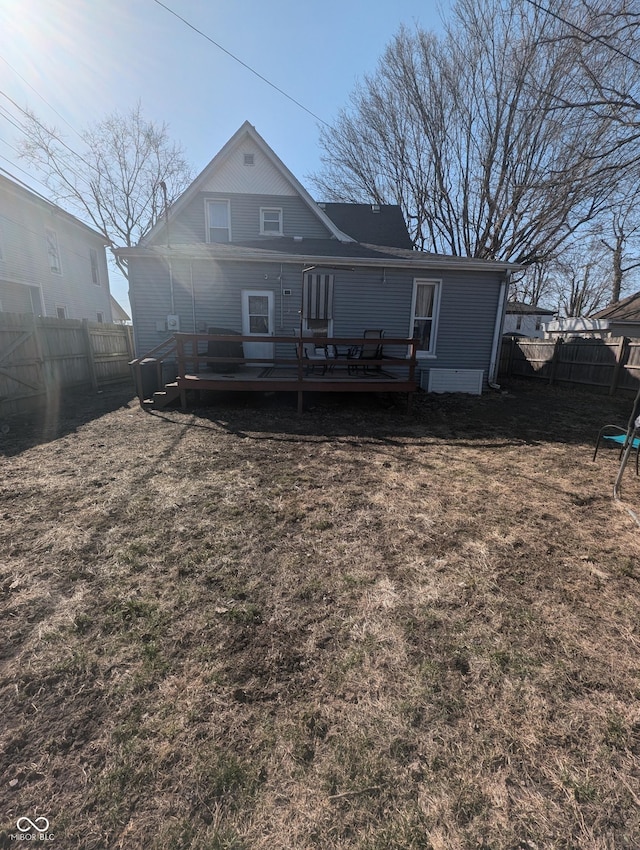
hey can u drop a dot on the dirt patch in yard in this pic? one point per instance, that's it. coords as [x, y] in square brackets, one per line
[236, 628]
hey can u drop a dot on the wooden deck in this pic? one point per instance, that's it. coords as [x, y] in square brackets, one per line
[197, 371]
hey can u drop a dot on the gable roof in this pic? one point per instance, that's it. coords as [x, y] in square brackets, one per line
[626, 310]
[375, 224]
[32, 197]
[207, 175]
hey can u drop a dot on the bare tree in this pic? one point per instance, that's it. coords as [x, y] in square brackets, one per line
[581, 278]
[470, 134]
[114, 182]
[622, 245]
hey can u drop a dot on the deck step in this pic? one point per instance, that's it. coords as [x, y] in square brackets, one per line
[163, 398]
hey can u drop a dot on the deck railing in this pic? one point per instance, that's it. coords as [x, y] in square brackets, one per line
[188, 352]
[191, 360]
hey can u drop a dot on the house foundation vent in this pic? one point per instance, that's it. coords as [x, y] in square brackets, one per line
[453, 381]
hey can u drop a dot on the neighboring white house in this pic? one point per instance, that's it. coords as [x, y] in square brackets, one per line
[51, 264]
[525, 320]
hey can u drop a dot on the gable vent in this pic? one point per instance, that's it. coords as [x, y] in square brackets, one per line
[249, 159]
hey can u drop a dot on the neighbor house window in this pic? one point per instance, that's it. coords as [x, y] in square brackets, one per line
[317, 303]
[61, 312]
[52, 251]
[270, 221]
[100, 317]
[95, 271]
[538, 323]
[218, 226]
[518, 323]
[426, 297]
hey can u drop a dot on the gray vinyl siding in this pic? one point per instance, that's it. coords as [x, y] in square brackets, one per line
[298, 219]
[363, 299]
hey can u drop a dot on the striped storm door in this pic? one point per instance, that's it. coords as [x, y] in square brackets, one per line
[317, 303]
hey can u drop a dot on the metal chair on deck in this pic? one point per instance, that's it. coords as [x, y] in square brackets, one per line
[368, 351]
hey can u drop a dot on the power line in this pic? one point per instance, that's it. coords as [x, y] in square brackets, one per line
[32, 117]
[588, 35]
[52, 108]
[244, 64]
[29, 175]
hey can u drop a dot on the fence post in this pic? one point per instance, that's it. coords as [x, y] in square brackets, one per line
[622, 355]
[554, 360]
[90, 360]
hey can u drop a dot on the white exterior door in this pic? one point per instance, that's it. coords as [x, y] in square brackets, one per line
[257, 320]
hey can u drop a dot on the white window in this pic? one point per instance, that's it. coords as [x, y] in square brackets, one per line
[270, 221]
[52, 251]
[100, 317]
[424, 315]
[61, 311]
[218, 221]
[95, 269]
[519, 323]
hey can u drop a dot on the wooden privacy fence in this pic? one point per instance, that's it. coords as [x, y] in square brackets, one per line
[612, 364]
[40, 356]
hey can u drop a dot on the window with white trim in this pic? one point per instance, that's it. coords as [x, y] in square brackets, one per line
[270, 221]
[95, 269]
[424, 314]
[61, 311]
[53, 252]
[100, 317]
[218, 221]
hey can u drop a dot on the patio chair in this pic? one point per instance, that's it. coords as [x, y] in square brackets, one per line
[617, 435]
[368, 351]
[317, 357]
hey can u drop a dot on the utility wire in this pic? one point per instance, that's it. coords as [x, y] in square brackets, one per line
[32, 117]
[588, 35]
[52, 108]
[244, 64]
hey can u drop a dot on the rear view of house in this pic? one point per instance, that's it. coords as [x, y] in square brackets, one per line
[247, 249]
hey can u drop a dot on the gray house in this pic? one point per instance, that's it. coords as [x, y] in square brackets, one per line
[51, 264]
[246, 248]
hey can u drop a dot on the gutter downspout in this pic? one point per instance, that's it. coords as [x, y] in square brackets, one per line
[497, 332]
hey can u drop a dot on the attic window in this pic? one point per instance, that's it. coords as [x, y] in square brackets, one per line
[249, 159]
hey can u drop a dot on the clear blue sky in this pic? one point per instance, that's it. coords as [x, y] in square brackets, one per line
[85, 58]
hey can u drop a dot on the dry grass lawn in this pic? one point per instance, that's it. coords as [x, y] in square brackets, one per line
[237, 629]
